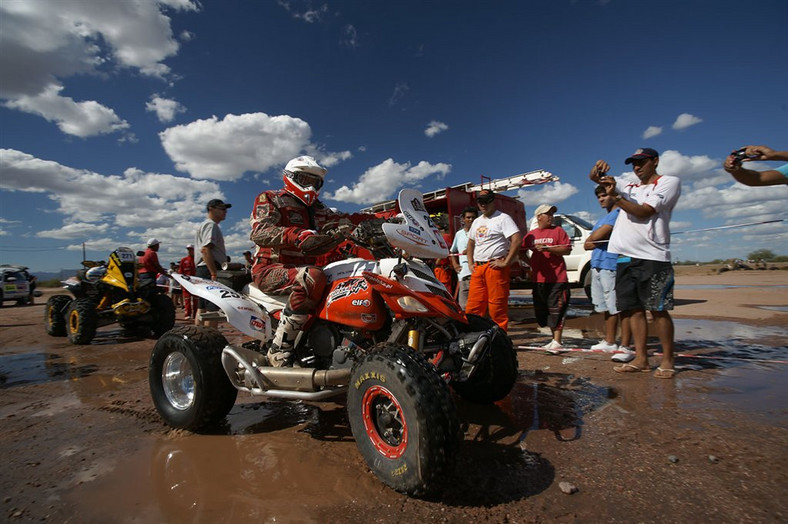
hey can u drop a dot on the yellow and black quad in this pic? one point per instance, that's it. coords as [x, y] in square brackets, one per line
[105, 293]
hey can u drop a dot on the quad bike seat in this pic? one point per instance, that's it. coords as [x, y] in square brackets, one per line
[271, 303]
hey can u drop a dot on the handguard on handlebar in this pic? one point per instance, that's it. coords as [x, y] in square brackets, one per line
[369, 235]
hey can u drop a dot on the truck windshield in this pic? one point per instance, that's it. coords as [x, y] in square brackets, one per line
[579, 221]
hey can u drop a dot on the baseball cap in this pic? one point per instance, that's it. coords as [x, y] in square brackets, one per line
[152, 242]
[545, 208]
[643, 152]
[218, 203]
[189, 246]
[485, 196]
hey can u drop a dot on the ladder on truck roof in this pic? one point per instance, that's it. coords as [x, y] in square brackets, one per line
[498, 185]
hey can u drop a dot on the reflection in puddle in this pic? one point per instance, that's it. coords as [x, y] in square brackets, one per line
[752, 363]
[578, 306]
[774, 308]
[38, 368]
[718, 286]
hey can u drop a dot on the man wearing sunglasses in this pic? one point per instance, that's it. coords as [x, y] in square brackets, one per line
[291, 228]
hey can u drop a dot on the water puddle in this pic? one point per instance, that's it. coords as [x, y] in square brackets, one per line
[721, 286]
[774, 308]
[38, 368]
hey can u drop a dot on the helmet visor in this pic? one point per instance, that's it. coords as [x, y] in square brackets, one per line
[307, 180]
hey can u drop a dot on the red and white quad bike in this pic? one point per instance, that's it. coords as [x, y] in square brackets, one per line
[387, 334]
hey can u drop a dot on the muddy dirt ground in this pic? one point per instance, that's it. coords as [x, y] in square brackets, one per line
[82, 442]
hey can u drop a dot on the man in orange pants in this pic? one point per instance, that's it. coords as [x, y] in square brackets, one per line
[493, 242]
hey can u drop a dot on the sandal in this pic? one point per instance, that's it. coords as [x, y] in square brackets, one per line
[629, 368]
[665, 373]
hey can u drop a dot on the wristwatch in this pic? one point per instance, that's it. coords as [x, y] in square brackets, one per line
[618, 197]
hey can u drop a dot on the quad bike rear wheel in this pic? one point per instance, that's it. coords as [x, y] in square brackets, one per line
[55, 315]
[163, 312]
[403, 419]
[495, 376]
[82, 320]
[187, 381]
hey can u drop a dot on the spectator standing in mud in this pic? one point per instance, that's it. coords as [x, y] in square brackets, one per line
[188, 267]
[493, 242]
[548, 244]
[603, 280]
[460, 262]
[750, 177]
[641, 237]
[150, 261]
[210, 241]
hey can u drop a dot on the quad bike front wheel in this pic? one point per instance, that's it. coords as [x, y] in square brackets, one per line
[494, 376]
[187, 381]
[403, 419]
[81, 321]
[55, 315]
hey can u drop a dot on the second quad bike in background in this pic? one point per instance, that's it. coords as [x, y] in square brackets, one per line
[108, 293]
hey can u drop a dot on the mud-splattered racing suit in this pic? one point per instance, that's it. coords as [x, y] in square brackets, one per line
[290, 237]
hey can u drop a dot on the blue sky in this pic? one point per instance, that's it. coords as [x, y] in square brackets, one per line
[120, 119]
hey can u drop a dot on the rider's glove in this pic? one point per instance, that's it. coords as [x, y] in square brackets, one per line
[303, 235]
[317, 244]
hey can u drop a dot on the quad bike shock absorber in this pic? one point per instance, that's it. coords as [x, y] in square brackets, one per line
[414, 339]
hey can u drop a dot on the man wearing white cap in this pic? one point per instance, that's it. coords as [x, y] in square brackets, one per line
[150, 261]
[548, 244]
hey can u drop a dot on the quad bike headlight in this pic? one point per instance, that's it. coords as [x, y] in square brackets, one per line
[411, 305]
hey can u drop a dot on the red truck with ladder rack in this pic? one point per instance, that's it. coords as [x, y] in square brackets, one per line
[452, 200]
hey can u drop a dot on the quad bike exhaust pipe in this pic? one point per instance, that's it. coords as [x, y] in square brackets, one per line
[248, 371]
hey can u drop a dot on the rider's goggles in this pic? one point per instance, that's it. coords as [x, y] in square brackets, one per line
[307, 180]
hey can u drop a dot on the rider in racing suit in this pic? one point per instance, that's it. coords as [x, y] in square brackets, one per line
[291, 228]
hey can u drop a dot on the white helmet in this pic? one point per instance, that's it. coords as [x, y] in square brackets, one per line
[303, 178]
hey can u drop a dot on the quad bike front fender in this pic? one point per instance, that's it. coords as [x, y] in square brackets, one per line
[243, 313]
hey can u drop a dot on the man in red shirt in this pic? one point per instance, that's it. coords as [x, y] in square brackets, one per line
[548, 244]
[150, 261]
[188, 267]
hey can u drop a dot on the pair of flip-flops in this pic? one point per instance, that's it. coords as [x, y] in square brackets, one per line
[666, 373]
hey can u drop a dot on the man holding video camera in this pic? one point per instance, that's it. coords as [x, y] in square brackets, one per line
[750, 177]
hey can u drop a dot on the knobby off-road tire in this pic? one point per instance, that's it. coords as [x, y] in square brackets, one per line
[163, 315]
[496, 374]
[403, 419]
[187, 381]
[81, 321]
[55, 315]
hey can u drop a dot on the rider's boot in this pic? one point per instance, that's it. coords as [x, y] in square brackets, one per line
[281, 352]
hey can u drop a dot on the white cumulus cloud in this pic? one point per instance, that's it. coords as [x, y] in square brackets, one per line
[226, 149]
[547, 194]
[165, 108]
[685, 120]
[380, 182]
[652, 131]
[82, 119]
[43, 42]
[435, 127]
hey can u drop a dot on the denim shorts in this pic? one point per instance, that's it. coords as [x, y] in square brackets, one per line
[603, 290]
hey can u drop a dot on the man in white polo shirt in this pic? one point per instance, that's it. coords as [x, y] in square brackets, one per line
[641, 237]
[493, 242]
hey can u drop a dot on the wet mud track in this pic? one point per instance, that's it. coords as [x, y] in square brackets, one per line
[82, 442]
